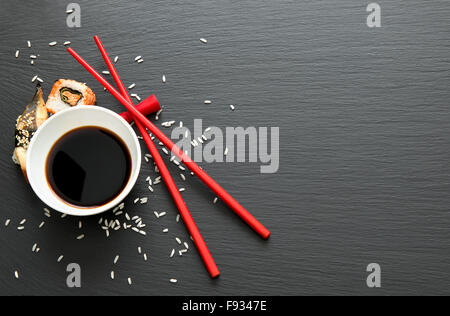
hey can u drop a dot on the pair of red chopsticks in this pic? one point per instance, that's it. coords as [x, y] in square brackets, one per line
[142, 123]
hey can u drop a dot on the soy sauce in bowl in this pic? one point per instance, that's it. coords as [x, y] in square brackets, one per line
[88, 166]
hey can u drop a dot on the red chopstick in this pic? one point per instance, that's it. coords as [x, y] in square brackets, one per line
[184, 211]
[146, 107]
[191, 165]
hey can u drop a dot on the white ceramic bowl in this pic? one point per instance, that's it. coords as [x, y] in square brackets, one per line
[58, 125]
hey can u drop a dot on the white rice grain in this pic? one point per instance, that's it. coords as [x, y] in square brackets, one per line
[178, 240]
[173, 280]
[41, 225]
[67, 43]
[17, 53]
[131, 86]
[116, 59]
[130, 281]
[29, 44]
[204, 40]
[52, 43]
[60, 258]
[116, 259]
[16, 274]
[164, 78]
[7, 222]
[207, 101]
[137, 58]
[80, 237]
[232, 107]
[172, 253]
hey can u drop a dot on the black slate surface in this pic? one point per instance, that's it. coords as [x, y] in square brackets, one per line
[364, 145]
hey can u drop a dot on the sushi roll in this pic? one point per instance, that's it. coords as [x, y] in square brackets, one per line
[67, 93]
[27, 124]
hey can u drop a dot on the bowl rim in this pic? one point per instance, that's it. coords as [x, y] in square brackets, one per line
[80, 211]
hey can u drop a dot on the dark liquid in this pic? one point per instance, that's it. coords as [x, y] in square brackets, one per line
[88, 167]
